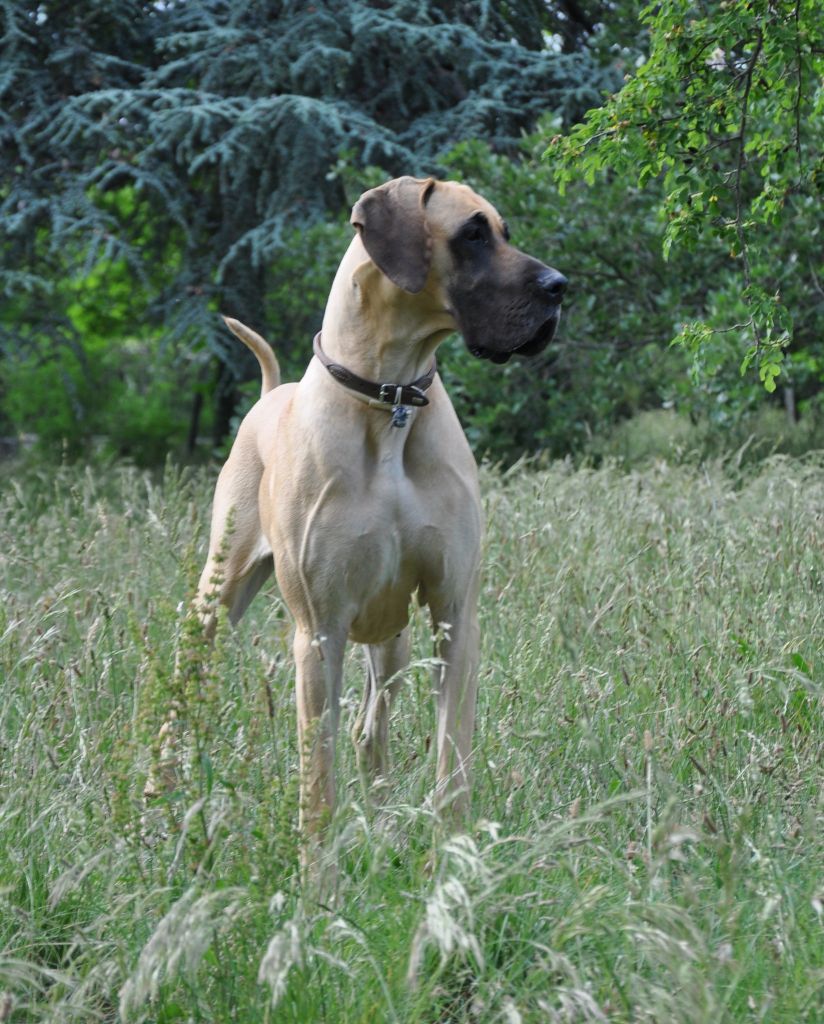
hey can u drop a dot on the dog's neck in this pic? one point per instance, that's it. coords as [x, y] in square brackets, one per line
[391, 352]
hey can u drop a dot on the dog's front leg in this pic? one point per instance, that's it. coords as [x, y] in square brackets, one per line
[319, 662]
[456, 686]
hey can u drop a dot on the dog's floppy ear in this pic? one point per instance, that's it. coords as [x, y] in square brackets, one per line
[392, 224]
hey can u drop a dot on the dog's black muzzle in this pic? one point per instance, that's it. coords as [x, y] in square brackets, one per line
[551, 285]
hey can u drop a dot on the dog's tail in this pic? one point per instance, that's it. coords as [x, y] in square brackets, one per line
[262, 350]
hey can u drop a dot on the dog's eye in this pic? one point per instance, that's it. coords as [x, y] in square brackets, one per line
[475, 232]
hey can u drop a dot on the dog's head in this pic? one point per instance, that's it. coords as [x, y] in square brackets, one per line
[446, 243]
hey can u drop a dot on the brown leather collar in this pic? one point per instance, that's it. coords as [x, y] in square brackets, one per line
[389, 395]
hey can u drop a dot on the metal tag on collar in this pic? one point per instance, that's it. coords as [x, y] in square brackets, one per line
[400, 414]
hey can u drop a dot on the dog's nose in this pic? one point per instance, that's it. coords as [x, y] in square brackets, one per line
[553, 283]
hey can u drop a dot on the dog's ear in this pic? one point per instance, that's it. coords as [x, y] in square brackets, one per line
[391, 220]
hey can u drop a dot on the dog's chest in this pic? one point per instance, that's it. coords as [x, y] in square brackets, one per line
[382, 545]
[362, 550]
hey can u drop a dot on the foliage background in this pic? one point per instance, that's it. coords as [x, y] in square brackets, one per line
[185, 148]
[161, 163]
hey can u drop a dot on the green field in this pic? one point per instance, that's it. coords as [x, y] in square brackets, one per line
[647, 832]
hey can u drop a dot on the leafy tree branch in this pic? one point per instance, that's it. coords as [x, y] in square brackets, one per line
[716, 113]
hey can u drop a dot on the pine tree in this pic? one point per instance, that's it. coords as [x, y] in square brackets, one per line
[183, 139]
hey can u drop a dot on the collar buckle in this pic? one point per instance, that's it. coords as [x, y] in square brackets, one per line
[385, 394]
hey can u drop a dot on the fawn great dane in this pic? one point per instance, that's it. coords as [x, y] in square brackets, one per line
[357, 485]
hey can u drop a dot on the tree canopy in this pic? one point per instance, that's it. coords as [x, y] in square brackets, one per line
[727, 113]
[225, 121]
[163, 162]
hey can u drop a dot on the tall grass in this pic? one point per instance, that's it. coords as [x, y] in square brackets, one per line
[646, 841]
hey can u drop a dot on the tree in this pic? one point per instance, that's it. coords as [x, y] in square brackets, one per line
[182, 141]
[727, 112]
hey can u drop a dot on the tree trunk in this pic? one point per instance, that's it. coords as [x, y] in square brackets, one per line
[789, 404]
[241, 296]
[194, 422]
[226, 398]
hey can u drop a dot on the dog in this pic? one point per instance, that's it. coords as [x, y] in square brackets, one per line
[356, 484]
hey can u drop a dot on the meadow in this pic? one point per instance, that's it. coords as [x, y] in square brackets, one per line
[646, 841]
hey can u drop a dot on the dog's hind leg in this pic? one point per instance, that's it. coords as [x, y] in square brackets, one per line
[231, 582]
[238, 563]
[240, 558]
[370, 733]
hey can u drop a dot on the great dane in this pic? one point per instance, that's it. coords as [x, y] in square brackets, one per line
[357, 485]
